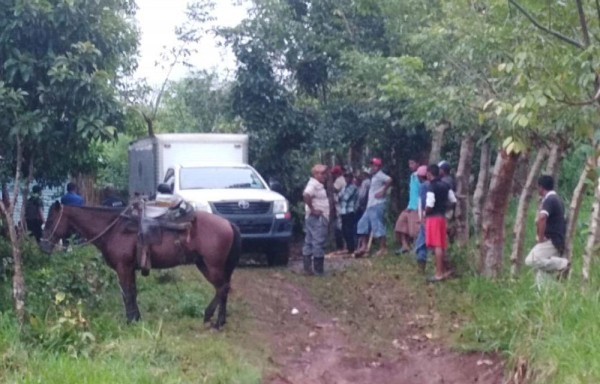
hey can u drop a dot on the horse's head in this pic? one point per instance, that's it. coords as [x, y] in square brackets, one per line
[56, 227]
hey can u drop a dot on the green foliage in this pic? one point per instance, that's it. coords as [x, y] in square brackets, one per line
[76, 275]
[62, 292]
[60, 77]
[553, 329]
[198, 103]
[76, 331]
[114, 164]
[314, 78]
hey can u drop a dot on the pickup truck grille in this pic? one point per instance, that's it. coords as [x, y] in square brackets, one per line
[242, 208]
[253, 229]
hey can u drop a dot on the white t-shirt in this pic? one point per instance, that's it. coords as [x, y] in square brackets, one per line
[317, 191]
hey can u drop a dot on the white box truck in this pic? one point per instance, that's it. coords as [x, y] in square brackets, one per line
[211, 171]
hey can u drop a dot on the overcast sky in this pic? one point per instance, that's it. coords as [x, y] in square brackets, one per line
[157, 21]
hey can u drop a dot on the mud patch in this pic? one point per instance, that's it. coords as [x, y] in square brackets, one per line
[310, 345]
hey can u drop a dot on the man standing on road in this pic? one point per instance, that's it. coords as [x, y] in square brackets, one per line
[438, 198]
[372, 221]
[363, 183]
[316, 220]
[545, 257]
[338, 183]
[348, 201]
[446, 177]
[420, 246]
[407, 225]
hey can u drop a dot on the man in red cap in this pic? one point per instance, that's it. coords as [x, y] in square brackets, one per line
[372, 221]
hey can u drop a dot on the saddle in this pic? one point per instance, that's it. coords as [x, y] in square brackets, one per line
[156, 218]
[149, 219]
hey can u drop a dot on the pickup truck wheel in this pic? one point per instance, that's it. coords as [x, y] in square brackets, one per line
[278, 255]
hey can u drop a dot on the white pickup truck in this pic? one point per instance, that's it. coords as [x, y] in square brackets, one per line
[211, 172]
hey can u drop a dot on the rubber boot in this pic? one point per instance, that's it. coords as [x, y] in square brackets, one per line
[318, 263]
[308, 264]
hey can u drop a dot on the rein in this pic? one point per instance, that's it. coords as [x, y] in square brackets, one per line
[98, 236]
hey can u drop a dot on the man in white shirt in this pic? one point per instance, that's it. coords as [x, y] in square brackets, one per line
[316, 220]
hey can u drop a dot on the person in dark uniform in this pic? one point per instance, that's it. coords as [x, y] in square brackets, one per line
[34, 213]
[111, 199]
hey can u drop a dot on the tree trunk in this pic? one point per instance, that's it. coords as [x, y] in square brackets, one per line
[87, 189]
[521, 174]
[594, 233]
[482, 184]
[516, 255]
[554, 160]
[18, 280]
[575, 206]
[356, 155]
[463, 175]
[437, 140]
[7, 212]
[492, 242]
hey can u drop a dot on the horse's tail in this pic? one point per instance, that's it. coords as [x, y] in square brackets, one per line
[234, 252]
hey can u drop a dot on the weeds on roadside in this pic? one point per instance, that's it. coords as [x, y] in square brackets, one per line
[76, 332]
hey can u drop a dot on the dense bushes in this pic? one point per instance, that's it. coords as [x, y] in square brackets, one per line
[63, 290]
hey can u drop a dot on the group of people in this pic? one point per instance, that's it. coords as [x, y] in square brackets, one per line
[355, 205]
[358, 212]
[424, 222]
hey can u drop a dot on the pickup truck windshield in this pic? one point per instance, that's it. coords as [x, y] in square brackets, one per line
[219, 178]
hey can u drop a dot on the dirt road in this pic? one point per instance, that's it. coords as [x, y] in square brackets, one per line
[310, 345]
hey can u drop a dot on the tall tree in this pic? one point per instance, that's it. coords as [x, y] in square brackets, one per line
[61, 76]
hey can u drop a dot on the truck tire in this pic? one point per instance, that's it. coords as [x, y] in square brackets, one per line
[278, 255]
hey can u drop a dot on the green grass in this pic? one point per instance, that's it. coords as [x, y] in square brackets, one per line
[169, 345]
[555, 330]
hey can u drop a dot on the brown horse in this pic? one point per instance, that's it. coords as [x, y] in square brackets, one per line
[214, 246]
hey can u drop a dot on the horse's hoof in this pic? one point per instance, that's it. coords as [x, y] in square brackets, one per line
[133, 319]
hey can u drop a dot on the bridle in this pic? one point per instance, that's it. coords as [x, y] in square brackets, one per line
[112, 224]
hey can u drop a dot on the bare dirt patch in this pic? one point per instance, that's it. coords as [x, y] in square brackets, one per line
[311, 344]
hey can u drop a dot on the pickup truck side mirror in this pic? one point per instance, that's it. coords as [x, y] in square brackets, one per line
[164, 188]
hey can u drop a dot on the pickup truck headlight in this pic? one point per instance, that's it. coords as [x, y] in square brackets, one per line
[280, 206]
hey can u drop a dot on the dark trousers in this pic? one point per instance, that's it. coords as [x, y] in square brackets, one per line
[349, 230]
[34, 226]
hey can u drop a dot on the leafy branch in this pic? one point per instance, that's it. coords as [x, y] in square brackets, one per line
[552, 32]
